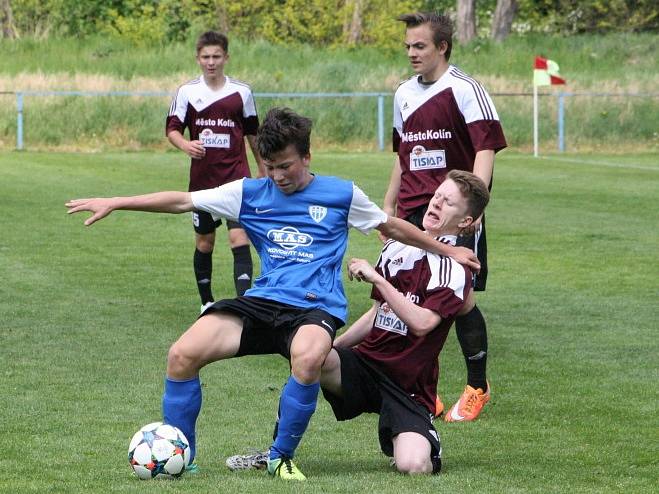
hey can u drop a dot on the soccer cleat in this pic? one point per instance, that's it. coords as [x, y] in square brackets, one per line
[439, 407]
[192, 468]
[285, 469]
[205, 306]
[256, 459]
[469, 405]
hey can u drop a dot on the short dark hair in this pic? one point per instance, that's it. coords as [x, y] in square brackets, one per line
[282, 127]
[441, 25]
[473, 189]
[213, 38]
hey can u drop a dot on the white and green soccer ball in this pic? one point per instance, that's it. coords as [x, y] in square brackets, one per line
[158, 450]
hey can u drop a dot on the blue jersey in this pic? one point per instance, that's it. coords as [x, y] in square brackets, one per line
[300, 238]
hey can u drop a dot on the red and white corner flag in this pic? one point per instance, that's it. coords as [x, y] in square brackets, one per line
[545, 73]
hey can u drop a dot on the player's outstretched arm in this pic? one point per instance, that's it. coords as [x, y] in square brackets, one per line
[357, 330]
[409, 234]
[158, 202]
[419, 320]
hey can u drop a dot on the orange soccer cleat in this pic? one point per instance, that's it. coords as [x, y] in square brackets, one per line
[439, 407]
[469, 405]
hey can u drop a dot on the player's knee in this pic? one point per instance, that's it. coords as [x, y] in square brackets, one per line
[180, 364]
[205, 243]
[411, 465]
[306, 366]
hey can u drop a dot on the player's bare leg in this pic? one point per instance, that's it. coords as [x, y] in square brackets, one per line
[330, 377]
[212, 337]
[412, 453]
[215, 336]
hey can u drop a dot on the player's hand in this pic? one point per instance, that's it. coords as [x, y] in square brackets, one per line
[100, 207]
[361, 270]
[195, 149]
[466, 257]
[473, 228]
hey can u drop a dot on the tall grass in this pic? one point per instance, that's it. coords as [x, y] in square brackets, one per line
[627, 60]
[613, 63]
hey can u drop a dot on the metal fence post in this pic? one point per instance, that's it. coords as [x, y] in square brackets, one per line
[19, 121]
[561, 122]
[381, 122]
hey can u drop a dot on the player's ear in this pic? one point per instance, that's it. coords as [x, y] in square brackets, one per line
[443, 47]
[466, 221]
[306, 159]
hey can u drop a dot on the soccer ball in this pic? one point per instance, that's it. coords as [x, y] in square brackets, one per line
[158, 450]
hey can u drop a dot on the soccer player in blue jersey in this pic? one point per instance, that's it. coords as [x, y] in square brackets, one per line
[298, 223]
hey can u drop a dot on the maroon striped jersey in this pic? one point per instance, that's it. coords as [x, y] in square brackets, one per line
[220, 120]
[438, 128]
[435, 282]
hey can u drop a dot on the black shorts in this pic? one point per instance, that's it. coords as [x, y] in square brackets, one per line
[204, 224]
[269, 326]
[477, 243]
[368, 390]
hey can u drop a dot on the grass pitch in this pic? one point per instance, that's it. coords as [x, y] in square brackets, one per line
[87, 316]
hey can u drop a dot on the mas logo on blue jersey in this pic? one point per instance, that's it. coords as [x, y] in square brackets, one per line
[317, 213]
[290, 238]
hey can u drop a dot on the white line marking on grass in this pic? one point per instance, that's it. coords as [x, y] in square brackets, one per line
[633, 166]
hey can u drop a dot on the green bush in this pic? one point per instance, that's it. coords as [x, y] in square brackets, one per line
[320, 22]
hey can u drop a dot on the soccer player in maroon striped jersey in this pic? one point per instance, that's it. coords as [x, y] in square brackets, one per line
[387, 361]
[444, 120]
[219, 113]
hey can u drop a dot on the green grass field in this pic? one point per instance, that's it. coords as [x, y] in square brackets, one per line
[87, 316]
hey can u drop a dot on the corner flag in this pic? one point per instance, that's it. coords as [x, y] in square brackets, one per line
[545, 73]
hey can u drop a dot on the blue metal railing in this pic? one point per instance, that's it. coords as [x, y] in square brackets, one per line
[20, 96]
[560, 98]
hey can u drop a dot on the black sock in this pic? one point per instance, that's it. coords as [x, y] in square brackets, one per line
[203, 269]
[242, 269]
[472, 335]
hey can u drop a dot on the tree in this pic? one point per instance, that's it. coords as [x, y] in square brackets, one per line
[466, 21]
[7, 20]
[353, 29]
[504, 14]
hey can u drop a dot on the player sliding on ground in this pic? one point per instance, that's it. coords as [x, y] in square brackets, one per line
[387, 361]
[298, 223]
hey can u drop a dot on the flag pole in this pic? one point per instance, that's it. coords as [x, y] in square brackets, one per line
[535, 121]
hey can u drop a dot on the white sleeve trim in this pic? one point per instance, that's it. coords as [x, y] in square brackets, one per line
[398, 117]
[249, 108]
[179, 105]
[221, 202]
[364, 215]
